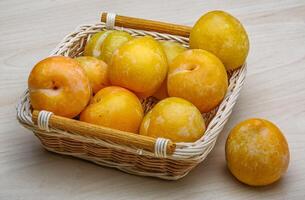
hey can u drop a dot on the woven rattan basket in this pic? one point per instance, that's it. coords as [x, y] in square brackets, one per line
[128, 152]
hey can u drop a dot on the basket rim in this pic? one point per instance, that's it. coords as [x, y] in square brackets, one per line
[197, 150]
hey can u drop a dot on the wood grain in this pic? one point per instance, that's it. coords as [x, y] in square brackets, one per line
[274, 89]
[103, 133]
[149, 25]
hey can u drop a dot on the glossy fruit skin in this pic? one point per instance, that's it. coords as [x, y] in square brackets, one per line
[113, 41]
[94, 44]
[96, 70]
[172, 50]
[199, 77]
[257, 152]
[139, 65]
[173, 118]
[161, 93]
[223, 35]
[58, 84]
[116, 108]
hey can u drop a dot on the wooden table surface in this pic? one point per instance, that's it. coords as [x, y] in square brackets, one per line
[274, 89]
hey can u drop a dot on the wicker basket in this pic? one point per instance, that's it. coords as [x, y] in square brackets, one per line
[128, 152]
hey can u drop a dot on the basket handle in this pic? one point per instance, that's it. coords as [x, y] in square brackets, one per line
[160, 146]
[148, 25]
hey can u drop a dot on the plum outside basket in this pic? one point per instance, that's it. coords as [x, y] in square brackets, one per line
[144, 156]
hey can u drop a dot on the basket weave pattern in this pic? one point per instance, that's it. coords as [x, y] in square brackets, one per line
[128, 158]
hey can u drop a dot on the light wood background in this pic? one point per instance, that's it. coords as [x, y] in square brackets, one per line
[274, 89]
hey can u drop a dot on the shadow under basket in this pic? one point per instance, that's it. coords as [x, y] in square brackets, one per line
[131, 153]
